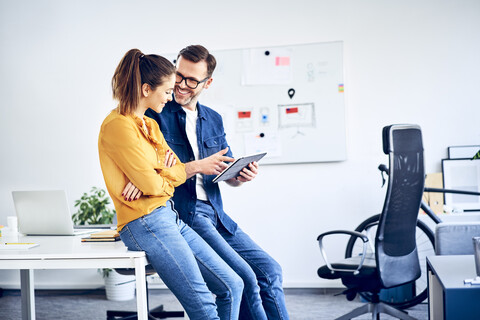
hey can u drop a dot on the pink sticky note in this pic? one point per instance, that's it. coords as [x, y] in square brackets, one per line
[282, 61]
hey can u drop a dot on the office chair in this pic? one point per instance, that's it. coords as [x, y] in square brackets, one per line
[156, 313]
[395, 260]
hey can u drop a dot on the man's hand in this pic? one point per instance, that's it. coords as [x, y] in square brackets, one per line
[211, 165]
[247, 174]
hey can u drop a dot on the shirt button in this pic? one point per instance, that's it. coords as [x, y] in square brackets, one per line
[192, 178]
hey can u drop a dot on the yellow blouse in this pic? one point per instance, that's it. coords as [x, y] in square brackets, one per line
[129, 153]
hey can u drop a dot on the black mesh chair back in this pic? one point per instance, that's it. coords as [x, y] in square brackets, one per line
[396, 252]
[395, 262]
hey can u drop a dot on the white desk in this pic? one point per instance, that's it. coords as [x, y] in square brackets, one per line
[68, 252]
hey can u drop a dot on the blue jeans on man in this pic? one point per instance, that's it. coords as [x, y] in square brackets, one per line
[249, 261]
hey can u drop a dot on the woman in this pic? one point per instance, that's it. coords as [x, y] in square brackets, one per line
[132, 148]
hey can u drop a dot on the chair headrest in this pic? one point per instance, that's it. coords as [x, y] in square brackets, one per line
[409, 134]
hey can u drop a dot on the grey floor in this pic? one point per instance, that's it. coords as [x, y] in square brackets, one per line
[302, 304]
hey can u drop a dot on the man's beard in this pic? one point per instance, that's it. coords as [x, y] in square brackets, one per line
[187, 100]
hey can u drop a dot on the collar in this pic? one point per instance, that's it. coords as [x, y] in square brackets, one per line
[148, 123]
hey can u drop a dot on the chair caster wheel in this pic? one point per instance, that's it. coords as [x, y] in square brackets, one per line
[350, 295]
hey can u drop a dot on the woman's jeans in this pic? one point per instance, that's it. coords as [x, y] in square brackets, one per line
[262, 276]
[186, 264]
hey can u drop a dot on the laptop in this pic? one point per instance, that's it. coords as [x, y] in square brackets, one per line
[44, 213]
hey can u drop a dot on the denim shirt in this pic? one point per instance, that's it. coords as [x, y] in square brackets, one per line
[210, 139]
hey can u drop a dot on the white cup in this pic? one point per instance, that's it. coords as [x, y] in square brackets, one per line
[476, 253]
[12, 223]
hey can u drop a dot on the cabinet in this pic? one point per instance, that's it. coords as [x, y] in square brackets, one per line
[448, 297]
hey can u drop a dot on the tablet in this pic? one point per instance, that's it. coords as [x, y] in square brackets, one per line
[233, 170]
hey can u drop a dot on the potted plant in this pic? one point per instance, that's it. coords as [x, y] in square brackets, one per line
[118, 287]
[93, 209]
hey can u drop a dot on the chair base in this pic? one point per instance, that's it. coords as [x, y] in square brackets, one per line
[375, 309]
[157, 313]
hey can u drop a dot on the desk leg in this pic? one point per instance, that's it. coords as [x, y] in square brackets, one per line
[28, 294]
[141, 289]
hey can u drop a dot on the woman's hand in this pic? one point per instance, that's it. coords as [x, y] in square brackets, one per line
[131, 193]
[170, 160]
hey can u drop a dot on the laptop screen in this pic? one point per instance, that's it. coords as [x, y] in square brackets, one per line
[43, 212]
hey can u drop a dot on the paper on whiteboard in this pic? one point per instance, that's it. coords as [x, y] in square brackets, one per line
[296, 115]
[267, 67]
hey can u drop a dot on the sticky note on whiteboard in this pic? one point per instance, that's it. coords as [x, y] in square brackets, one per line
[291, 110]
[282, 61]
[244, 114]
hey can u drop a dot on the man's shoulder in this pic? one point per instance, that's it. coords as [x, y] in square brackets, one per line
[152, 114]
[171, 109]
[168, 111]
[209, 112]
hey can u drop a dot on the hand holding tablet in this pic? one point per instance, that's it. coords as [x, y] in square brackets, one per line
[233, 170]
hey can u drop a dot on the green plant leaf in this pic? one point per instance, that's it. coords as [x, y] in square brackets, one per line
[476, 156]
[93, 208]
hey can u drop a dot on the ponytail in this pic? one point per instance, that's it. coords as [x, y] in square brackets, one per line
[133, 71]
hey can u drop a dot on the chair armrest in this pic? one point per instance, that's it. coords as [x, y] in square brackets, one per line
[346, 232]
[352, 233]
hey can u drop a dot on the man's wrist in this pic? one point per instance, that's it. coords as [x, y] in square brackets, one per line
[192, 168]
[234, 182]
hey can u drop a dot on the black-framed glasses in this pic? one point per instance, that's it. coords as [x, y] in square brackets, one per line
[190, 82]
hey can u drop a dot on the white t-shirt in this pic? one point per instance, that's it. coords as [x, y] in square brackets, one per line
[191, 130]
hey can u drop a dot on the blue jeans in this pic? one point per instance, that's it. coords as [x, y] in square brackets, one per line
[186, 264]
[263, 295]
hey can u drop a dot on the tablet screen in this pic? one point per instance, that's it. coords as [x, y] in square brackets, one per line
[233, 170]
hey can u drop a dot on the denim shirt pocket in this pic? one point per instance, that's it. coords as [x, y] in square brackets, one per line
[215, 144]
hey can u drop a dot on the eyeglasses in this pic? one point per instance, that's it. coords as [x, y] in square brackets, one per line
[190, 82]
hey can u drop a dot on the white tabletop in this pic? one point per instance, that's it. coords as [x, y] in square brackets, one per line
[69, 252]
[67, 247]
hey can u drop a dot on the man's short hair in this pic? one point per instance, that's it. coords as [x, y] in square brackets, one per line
[197, 53]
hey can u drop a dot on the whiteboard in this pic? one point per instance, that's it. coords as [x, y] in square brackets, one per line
[285, 100]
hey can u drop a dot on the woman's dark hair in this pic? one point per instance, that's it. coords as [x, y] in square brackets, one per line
[133, 71]
[197, 53]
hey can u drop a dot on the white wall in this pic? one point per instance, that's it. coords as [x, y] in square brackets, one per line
[405, 62]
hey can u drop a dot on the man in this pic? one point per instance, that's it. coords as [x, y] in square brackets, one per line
[196, 135]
